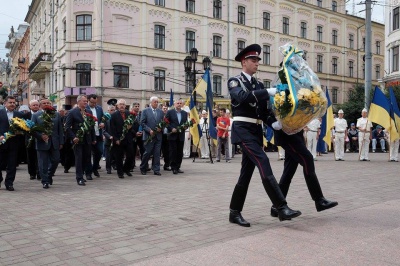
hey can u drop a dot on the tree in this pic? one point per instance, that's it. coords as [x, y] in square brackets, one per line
[353, 107]
[4, 92]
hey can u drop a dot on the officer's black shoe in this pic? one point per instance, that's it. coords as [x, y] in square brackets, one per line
[274, 211]
[324, 204]
[285, 213]
[236, 218]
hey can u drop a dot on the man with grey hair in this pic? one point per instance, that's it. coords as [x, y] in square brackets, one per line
[150, 118]
[364, 135]
[31, 154]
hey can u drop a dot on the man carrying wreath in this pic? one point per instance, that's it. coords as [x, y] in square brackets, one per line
[48, 144]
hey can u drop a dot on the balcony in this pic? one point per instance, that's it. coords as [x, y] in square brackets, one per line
[40, 66]
[36, 89]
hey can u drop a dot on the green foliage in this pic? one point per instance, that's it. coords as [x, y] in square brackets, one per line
[4, 92]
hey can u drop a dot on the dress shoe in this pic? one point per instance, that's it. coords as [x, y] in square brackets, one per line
[96, 173]
[175, 172]
[128, 173]
[218, 161]
[323, 204]
[38, 178]
[32, 177]
[167, 168]
[274, 211]
[285, 213]
[157, 173]
[10, 188]
[51, 181]
[180, 171]
[66, 171]
[143, 172]
[89, 177]
[236, 218]
[46, 186]
[148, 169]
[81, 182]
[121, 176]
[109, 172]
[84, 180]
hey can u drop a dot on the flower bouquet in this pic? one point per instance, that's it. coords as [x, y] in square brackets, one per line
[88, 123]
[128, 124]
[49, 113]
[161, 125]
[184, 126]
[17, 126]
[299, 98]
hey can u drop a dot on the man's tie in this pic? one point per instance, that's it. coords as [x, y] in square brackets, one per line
[155, 113]
[123, 115]
[253, 82]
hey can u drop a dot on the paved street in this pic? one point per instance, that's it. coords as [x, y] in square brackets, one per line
[183, 219]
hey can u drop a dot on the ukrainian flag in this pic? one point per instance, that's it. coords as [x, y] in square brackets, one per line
[379, 112]
[327, 122]
[395, 110]
[195, 130]
[210, 105]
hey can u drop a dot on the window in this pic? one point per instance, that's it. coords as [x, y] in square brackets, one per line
[84, 28]
[396, 18]
[351, 69]
[267, 54]
[190, 4]
[217, 11]
[217, 43]
[56, 41]
[395, 64]
[334, 65]
[217, 84]
[285, 26]
[159, 37]
[121, 76]
[242, 15]
[319, 63]
[159, 2]
[378, 47]
[83, 74]
[319, 3]
[63, 77]
[266, 21]
[334, 37]
[351, 41]
[363, 43]
[190, 40]
[334, 95]
[334, 6]
[363, 70]
[267, 83]
[319, 33]
[189, 77]
[303, 30]
[64, 31]
[241, 45]
[378, 71]
[159, 80]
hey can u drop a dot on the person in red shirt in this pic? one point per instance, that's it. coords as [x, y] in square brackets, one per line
[223, 124]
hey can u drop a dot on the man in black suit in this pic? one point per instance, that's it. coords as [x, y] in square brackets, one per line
[249, 98]
[97, 149]
[48, 146]
[165, 144]
[137, 140]
[125, 146]
[31, 155]
[8, 150]
[108, 140]
[176, 139]
[82, 150]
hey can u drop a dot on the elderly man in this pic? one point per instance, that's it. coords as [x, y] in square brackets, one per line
[364, 127]
[31, 154]
[378, 135]
[108, 139]
[340, 125]
[352, 134]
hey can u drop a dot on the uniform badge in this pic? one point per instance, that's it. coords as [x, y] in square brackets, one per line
[233, 84]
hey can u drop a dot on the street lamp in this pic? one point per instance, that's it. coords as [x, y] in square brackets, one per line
[190, 68]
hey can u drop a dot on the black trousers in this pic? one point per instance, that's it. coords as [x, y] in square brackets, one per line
[175, 153]
[119, 151]
[82, 154]
[165, 150]
[138, 143]
[8, 162]
[32, 160]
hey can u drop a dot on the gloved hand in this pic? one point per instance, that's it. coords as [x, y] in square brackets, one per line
[277, 125]
[271, 91]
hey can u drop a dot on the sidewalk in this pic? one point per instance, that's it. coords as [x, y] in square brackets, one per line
[183, 219]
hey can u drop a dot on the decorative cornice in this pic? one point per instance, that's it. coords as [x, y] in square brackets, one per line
[304, 44]
[335, 21]
[285, 40]
[320, 16]
[267, 36]
[241, 31]
[379, 36]
[304, 12]
[267, 2]
[190, 20]
[159, 13]
[378, 60]
[83, 2]
[120, 5]
[217, 25]
[351, 27]
[320, 47]
[335, 50]
[351, 54]
[286, 7]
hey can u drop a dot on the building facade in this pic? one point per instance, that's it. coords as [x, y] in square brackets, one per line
[134, 49]
[392, 32]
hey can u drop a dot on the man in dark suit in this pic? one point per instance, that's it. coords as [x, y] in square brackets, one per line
[97, 149]
[48, 146]
[165, 144]
[137, 140]
[149, 119]
[177, 117]
[248, 96]
[82, 150]
[125, 146]
[108, 139]
[31, 155]
[8, 150]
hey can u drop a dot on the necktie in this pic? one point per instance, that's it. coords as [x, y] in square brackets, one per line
[155, 113]
[123, 116]
[83, 113]
[253, 82]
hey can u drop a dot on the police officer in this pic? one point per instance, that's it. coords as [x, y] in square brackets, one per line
[249, 105]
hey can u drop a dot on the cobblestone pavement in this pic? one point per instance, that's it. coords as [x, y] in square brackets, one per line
[183, 219]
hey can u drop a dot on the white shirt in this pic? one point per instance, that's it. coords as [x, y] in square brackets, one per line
[202, 126]
[10, 115]
[340, 125]
[96, 125]
[314, 125]
[362, 124]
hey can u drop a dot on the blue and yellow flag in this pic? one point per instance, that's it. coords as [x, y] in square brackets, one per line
[379, 112]
[327, 122]
[171, 99]
[209, 105]
[195, 130]
[395, 111]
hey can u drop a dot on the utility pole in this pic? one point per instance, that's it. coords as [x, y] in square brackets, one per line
[368, 54]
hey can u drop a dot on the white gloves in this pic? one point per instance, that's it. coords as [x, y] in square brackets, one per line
[271, 91]
[277, 125]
